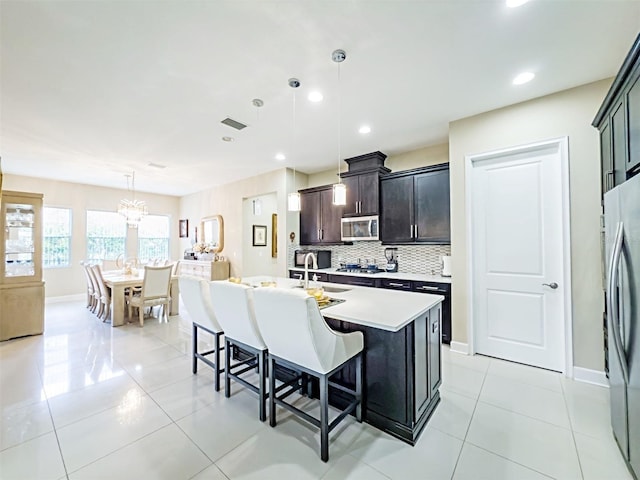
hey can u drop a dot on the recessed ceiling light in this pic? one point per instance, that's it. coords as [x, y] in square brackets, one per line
[315, 96]
[523, 77]
[227, 139]
[515, 3]
[364, 129]
[280, 157]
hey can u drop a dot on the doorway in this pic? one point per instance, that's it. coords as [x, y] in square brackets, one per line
[518, 229]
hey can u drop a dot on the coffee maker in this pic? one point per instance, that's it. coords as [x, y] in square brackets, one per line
[391, 254]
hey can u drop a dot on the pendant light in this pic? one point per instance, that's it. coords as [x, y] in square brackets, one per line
[293, 199]
[133, 210]
[339, 189]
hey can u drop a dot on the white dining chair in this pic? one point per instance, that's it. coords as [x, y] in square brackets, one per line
[197, 300]
[155, 290]
[104, 296]
[96, 304]
[298, 338]
[90, 291]
[233, 307]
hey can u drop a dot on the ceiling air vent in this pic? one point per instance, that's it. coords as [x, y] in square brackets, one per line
[233, 124]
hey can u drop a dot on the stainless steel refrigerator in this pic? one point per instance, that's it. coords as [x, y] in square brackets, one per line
[622, 236]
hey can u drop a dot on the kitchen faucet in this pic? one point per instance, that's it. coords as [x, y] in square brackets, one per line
[306, 267]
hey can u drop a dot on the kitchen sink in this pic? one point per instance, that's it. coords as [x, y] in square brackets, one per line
[328, 289]
[335, 289]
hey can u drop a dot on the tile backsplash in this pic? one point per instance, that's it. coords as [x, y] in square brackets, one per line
[411, 258]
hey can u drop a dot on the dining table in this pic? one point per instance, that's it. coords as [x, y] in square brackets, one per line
[118, 281]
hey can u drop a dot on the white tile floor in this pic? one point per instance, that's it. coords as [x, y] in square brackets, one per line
[87, 401]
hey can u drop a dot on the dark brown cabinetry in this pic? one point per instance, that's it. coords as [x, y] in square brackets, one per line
[618, 121]
[363, 184]
[402, 374]
[354, 280]
[415, 206]
[363, 194]
[443, 289]
[319, 218]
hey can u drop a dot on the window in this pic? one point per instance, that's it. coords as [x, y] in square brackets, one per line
[153, 238]
[106, 235]
[57, 237]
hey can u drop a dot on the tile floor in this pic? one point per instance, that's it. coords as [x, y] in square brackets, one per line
[87, 401]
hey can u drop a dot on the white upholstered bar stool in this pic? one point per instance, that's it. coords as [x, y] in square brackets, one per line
[197, 300]
[233, 307]
[298, 338]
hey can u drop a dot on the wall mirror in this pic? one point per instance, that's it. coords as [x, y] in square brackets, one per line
[212, 232]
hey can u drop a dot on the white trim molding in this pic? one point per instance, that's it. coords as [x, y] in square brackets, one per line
[586, 375]
[459, 347]
[66, 298]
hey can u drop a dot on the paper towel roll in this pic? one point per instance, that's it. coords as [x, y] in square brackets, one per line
[446, 266]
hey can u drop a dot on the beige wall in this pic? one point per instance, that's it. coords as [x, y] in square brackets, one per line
[405, 161]
[568, 113]
[80, 198]
[227, 200]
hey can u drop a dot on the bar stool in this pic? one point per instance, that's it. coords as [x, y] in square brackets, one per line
[233, 307]
[197, 301]
[298, 338]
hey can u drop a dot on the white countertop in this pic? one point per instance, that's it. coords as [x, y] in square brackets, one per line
[418, 277]
[372, 307]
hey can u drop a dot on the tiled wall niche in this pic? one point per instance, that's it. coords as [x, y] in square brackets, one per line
[424, 259]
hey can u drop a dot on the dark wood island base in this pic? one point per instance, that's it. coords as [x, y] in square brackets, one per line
[402, 374]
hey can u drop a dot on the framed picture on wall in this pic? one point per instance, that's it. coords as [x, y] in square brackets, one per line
[259, 235]
[184, 228]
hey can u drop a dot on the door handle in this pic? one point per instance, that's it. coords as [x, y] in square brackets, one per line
[612, 301]
[552, 285]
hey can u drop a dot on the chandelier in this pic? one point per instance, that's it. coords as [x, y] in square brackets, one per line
[133, 210]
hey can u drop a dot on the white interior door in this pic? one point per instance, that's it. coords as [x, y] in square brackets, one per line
[517, 255]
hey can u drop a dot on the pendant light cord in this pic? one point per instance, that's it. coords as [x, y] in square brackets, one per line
[339, 124]
[293, 140]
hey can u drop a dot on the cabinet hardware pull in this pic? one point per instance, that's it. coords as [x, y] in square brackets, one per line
[415, 230]
[411, 231]
[434, 327]
[427, 287]
[394, 284]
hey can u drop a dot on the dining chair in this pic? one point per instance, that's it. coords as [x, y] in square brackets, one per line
[155, 290]
[197, 300]
[97, 305]
[299, 339]
[233, 307]
[90, 291]
[104, 296]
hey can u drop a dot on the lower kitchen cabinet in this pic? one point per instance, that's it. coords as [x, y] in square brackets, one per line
[353, 280]
[444, 289]
[402, 373]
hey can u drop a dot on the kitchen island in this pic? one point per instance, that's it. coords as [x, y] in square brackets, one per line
[401, 362]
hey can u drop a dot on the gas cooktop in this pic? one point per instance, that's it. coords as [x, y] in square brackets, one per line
[360, 270]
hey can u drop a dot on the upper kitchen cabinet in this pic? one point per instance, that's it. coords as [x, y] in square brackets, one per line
[415, 206]
[319, 217]
[618, 122]
[363, 184]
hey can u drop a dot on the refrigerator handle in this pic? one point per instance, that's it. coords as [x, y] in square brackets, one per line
[612, 300]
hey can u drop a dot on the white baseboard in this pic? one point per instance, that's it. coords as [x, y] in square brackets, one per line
[459, 347]
[587, 375]
[66, 298]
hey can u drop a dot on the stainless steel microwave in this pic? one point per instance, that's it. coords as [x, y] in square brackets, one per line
[359, 228]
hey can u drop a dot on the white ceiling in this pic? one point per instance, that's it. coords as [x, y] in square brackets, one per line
[93, 90]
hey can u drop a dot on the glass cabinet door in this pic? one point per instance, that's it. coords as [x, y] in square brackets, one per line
[19, 228]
